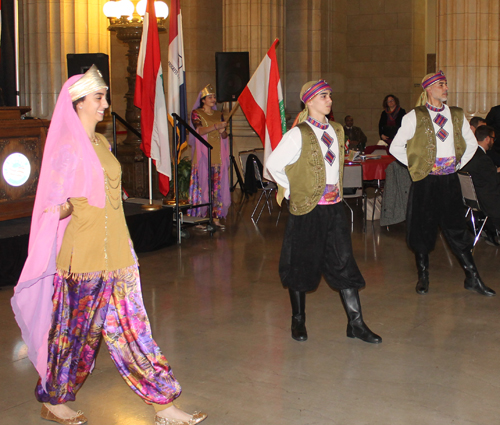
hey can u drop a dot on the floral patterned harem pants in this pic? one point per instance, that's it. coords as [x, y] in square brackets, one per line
[108, 304]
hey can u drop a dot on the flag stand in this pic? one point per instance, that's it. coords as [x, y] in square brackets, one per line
[173, 201]
[232, 161]
[150, 206]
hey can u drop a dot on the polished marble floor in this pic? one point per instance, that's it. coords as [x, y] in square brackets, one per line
[221, 317]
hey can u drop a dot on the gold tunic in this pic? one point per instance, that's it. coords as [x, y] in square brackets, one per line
[97, 239]
[214, 136]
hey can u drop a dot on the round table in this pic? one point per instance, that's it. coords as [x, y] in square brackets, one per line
[374, 169]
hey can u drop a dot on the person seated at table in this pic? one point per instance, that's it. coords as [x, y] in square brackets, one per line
[476, 122]
[485, 177]
[356, 137]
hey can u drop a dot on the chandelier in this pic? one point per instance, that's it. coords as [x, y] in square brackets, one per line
[121, 12]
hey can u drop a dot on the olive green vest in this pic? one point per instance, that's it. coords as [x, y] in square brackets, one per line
[421, 148]
[307, 176]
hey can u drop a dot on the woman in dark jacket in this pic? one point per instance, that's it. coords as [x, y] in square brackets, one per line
[391, 117]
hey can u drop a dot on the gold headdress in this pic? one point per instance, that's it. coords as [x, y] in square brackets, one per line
[90, 82]
[207, 90]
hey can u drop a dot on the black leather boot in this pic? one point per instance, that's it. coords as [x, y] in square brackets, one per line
[422, 261]
[473, 281]
[298, 301]
[356, 327]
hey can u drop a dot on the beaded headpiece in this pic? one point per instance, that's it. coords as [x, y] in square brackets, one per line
[428, 81]
[312, 88]
[308, 91]
[431, 79]
[90, 82]
[207, 90]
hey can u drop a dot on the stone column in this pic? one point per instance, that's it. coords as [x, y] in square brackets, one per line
[467, 51]
[252, 27]
[48, 30]
[316, 48]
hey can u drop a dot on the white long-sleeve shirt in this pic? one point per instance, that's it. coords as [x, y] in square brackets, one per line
[444, 149]
[288, 152]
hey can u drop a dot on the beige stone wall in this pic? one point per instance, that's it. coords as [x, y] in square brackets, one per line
[385, 53]
[468, 40]
[364, 48]
[49, 30]
[316, 48]
[203, 36]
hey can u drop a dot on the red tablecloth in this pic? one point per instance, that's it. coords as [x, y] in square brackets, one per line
[374, 169]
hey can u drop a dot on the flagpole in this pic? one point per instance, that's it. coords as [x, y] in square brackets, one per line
[233, 110]
[150, 206]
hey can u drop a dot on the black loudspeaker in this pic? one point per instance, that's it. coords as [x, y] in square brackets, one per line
[80, 64]
[232, 73]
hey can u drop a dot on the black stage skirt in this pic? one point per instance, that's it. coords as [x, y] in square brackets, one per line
[316, 244]
[436, 201]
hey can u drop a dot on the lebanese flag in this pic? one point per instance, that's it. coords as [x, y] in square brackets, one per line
[150, 98]
[176, 72]
[262, 103]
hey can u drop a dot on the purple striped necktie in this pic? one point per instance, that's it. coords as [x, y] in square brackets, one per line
[440, 120]
[326, 139]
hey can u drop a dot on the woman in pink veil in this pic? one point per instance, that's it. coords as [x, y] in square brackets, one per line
[80, 283]
[210, 124]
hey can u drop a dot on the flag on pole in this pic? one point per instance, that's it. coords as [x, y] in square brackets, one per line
[150, 98]
[262, 103]
[176, 73]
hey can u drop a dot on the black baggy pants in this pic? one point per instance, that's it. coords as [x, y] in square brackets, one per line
[316, 244]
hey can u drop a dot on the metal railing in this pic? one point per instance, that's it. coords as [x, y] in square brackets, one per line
[179, 121]
[115, 117]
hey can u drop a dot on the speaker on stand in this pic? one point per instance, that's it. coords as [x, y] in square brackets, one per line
[232, 73]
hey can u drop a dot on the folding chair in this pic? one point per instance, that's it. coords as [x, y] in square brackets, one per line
[266, 187]
[353, 179]
[472, 203]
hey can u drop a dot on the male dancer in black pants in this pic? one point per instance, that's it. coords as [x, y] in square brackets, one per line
[435, 141]
[307, 165]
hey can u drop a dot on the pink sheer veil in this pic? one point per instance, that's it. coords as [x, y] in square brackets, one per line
[70, 168]
[201, 153]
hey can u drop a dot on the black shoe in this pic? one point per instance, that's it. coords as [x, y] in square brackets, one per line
[422, 284]
[298, 302]
[477, 285]
[299, 332]
[422, 261]
[473, 281]
[356, 327]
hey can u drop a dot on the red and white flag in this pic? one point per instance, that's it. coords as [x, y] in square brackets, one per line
[262, 103]
[150, 97]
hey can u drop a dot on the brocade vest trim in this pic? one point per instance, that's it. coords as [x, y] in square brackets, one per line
[421, 148]
[307, 176]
